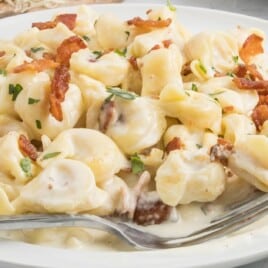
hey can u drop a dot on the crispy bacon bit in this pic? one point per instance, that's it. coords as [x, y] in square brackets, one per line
[263, 99]
[167, 43]
[151, 210]
[2, 53]
[228, 109]
[155, 47]
[251, 47]
[67, 48]
[27, 148]
[49, 56]
[44, 25]
[60, 82]
[133, 61]
[260, 115]
[186, 69]
[248, 70]
[67, 19]
[149, 11]
[221, 151]
[55, 107]
[108, 113]
[244, 83]
[38, 65]
[174, 144]
[141, 23]
[59, 86]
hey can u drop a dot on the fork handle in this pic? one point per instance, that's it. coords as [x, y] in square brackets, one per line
[38, 221]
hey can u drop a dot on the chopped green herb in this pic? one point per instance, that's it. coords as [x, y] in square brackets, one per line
[14, 90]
[137, 166]
[202, 67]
[128, 34]
[118, 92]
[86, 38]
[25, 164]
[235, 59]
[230, 74]
[187, 93]
[98, 54]
[194, 87]
[3, 72]
[216, 93]
[213, 68]
[109, 98]
[38, 124]
[216, 99]
[199, 146]
[50, 155]
[33, 101]
[170, 6]
[36, 49]
[121, 52]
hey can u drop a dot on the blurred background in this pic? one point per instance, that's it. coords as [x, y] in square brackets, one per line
[257, 8]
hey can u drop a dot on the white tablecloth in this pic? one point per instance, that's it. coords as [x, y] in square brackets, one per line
[257, 8]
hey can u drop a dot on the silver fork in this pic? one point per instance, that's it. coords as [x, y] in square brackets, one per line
[237, 218]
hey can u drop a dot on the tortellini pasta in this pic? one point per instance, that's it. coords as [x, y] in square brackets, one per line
[185, 177]
[11, 159]
[250, 160]
[37, 86]
[137, 125]
[207, 50]
[159, 69]
[64, 186]
[93, 148]
[110, 69]
[196, 110]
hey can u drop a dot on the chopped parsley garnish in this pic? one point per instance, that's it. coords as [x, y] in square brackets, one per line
[216, 93]
[33, 101]
[199, 146]
[50, 155]
[202, 67]
[230, 74]
[137, 166]
[118, 92]
[170, 6]
[194, 87]
[36, 49]
[86, 38]
[3, 72]
[25, 164]
[235, 59]
[14, 90]
[38, 124]
[128, 34]
[121, 52]
[97, 53]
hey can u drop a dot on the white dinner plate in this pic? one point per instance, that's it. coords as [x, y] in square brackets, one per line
[240, 248]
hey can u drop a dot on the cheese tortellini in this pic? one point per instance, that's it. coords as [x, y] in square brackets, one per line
[186, 176]
[137, 124]
[93, 148]
[64, 186]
